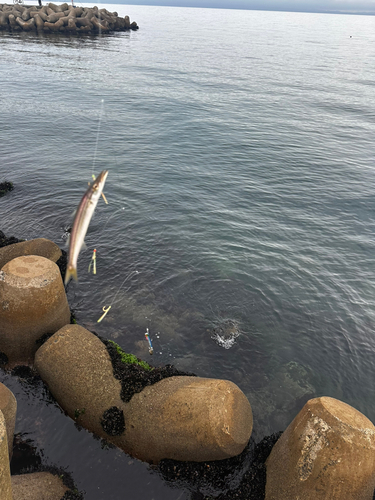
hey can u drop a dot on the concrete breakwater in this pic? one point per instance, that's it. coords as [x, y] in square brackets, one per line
[326, 453]
[52, 18]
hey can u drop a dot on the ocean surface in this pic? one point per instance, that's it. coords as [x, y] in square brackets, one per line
[240, 224]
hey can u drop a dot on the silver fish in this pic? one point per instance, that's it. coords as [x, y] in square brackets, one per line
[81, 223]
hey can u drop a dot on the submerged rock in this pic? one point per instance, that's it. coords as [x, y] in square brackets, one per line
[6, 186]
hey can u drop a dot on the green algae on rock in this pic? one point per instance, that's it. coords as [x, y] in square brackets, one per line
[135, 374]
[130, 358]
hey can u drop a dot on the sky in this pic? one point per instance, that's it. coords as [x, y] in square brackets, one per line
[349, 6]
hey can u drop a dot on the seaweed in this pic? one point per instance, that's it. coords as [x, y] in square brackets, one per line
[5, 187]
[135, 374]
[238, 478]
[113, 421]
[4, 241]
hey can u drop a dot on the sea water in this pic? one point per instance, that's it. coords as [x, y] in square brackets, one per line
[240, 223]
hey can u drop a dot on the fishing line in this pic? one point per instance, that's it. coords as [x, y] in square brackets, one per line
[130, 275]
[97, 136]
[107, 308]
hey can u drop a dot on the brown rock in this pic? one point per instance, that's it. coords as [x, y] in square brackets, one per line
[38, 486]
[192, 418]
[40, 246]
[8, 405]
[26, 25]
[52, 18]
[32, 303]
[54, 7]
[83, 21]
[39, 23]
[3, 20]
[5, 482]
[77, 368]
[71, 24]
[26, 14]
[100, 26]
[43, 16]
[14, 25]
[327, 452]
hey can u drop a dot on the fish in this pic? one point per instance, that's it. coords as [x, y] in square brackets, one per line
[81, 223]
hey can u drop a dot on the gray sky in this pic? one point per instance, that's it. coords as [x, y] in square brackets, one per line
[355, 6]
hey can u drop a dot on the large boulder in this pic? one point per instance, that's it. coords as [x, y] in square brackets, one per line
[182, 418]
[192, 418]
[327, 452]
[40, 246]
[33, 303]
[38, 486]
[8, 405]
[5, 482]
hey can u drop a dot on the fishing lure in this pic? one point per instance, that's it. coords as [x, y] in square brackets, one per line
[93, 262]
[105, 309]
[150, 348]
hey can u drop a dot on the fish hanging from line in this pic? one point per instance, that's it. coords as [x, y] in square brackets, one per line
[81, 223]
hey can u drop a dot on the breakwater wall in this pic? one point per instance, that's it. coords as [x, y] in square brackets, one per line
[64, 18]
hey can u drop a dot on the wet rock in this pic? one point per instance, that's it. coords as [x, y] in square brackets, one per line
[327, 452]
[38, 486]
[40, 246]
[76, 366]
[192, 418]
[32, 303]
[8, 405]
[4, 241]
[5, 482]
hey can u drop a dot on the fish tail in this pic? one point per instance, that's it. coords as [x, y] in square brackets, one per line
[71, 272]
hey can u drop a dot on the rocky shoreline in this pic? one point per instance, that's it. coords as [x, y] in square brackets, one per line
[201, 432]
[64, 18]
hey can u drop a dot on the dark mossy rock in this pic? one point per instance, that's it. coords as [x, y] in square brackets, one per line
[4, 241]
[239, 478]
[135, 374]
[113, 421]
[5, 187]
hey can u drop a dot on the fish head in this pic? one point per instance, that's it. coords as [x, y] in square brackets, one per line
[100, 180]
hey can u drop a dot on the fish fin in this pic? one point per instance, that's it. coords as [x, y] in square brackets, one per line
[83, 246]
[71, 272]
[67, 242]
